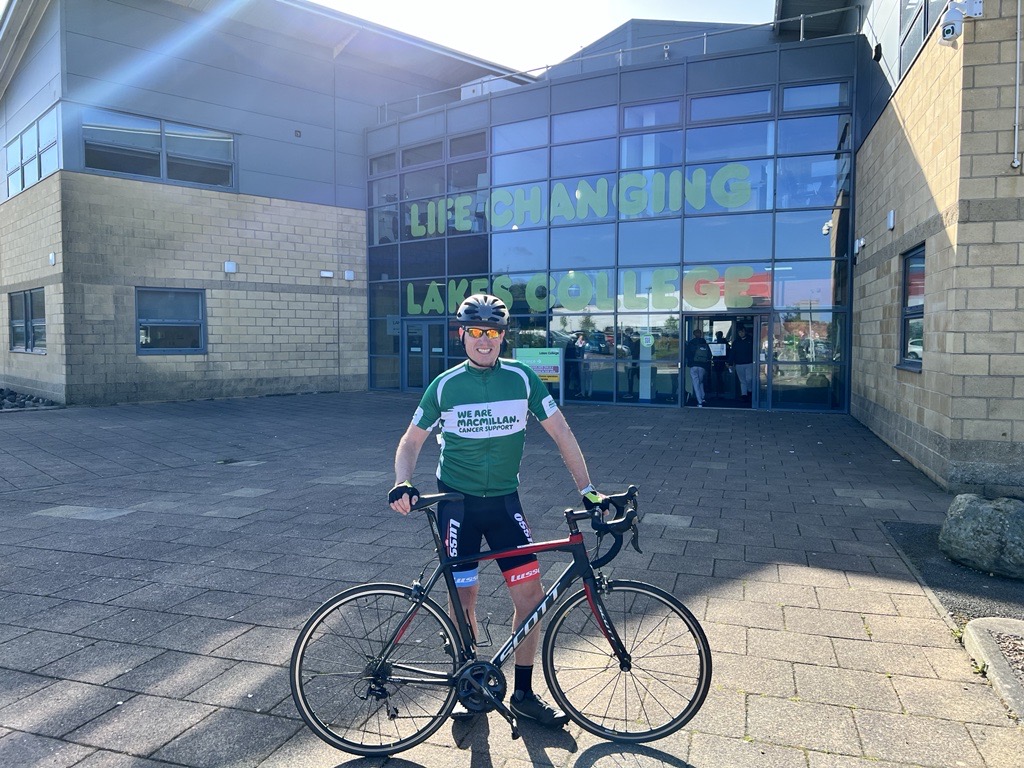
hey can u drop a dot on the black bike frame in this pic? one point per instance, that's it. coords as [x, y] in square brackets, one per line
[579, 568]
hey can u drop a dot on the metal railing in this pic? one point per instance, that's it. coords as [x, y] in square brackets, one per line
[389, 111]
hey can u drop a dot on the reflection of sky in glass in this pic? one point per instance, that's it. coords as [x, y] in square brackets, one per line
[515, 251]
[808, 284]
[809, 234]
[649, 242]
[727, 238]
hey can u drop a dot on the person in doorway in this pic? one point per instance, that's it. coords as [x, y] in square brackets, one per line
[572, 368]
[631, 340]
[720, 364]
[743, 361]
[698, 360]
[481, 407]
[583, 353]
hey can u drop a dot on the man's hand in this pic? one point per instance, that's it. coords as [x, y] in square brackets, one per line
[403, 496]
[593, 498]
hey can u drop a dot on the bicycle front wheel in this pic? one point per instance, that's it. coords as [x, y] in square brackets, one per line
[661, 688]
[372, 671]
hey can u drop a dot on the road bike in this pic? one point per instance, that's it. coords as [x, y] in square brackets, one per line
[378, 668]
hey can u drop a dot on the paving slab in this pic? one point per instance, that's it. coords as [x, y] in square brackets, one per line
[161, 635]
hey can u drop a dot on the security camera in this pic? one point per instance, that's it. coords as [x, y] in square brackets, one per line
[952, 25]
[666, 46]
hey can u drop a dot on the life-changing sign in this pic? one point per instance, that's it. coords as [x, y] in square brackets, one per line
[724, 187]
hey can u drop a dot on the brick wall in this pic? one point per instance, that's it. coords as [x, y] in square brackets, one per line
[940, 157]
[30, 230]
[274, 327]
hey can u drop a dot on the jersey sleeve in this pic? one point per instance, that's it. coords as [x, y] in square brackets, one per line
[428, 413]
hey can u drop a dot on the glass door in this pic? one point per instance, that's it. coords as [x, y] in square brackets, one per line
[423, 353]
[735, 376]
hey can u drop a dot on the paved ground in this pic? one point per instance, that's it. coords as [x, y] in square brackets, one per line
[157, 560]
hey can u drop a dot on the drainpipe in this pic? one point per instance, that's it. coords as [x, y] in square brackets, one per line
[1015, 163]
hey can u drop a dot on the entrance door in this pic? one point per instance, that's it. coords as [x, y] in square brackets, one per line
[722, 385]
[423, 352]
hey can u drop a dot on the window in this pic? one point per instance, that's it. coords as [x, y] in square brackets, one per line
[650, 115]
[523, 135]
[917, 17]
[428, 153]
[801, 98]
[520, 166]
[382, 164]
[814, 181]
[33, 155]
[473, 144]
[731, 105]
[588, 124]
[28, 321]
[725, 142]
[647, 149]
[170, 321]
[912, 327]
[142, 146]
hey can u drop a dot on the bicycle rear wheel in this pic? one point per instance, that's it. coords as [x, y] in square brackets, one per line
[668, 677]
[362, 697]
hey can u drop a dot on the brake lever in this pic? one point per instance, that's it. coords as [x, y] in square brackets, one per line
[635, 540]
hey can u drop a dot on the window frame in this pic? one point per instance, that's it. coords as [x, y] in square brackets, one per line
[910, 312]
[203, 322]
[36, 159]
[165, 156]
[28, 322]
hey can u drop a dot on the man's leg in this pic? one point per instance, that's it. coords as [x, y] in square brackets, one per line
[467, 595]
[526, 596]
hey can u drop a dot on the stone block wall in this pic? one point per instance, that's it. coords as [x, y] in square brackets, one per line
[30, 230]
[275, 326]
[940, 156]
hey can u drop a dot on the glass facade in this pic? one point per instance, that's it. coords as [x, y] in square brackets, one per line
[630, 227]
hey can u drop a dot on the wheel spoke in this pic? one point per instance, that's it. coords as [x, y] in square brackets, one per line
[669, 671]
[355, 698]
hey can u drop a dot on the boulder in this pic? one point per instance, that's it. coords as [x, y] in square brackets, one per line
[985, 534]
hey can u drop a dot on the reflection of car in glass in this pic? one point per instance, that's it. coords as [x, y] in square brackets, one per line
[598, 343]
[822, 350]
[915, 347]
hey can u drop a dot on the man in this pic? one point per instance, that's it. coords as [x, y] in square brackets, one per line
[743, 361]
[482, 406]
[698, 360]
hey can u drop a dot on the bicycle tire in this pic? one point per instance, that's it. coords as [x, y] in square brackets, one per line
[670, 670]
[365, 712]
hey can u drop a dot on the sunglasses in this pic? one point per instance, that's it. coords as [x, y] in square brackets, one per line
[490, 333]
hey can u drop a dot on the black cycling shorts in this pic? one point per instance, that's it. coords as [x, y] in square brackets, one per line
[498, 519]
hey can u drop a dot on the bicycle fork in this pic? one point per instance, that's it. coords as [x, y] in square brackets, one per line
[592, 587]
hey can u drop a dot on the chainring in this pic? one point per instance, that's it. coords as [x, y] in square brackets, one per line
[489, 677]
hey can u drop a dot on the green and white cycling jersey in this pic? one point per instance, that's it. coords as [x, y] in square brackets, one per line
[482, 416]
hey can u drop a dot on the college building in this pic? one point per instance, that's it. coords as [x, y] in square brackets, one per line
[219, 198]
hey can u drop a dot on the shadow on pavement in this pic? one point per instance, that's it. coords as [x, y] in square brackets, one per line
[964, 592]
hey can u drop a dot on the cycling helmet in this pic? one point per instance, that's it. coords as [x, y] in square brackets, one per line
[483, 311]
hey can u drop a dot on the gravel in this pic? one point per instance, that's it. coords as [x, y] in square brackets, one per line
[1012, 647]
